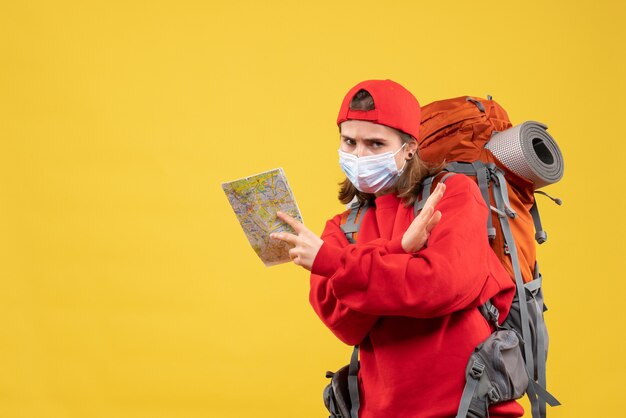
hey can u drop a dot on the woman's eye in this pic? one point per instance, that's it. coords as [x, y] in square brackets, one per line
[377, 144]
[349, 141]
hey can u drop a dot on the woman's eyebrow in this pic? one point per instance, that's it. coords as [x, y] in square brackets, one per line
[369, 139]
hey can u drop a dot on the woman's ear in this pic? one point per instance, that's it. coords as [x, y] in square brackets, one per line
[411, 149]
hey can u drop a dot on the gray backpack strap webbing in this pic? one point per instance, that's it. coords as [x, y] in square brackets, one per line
[491, 313]
[501, 199]
[461, 168]
[353, 383]
[483, 184]
[353, 223]
[333, 408]
[503, 190]
[446, 177]
[478, 104]
[427, 184]
[543, 395]
[534, 287]
[471, 406]
[351, 227]
[481, 172]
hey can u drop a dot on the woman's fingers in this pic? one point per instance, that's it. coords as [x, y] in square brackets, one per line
[305, 244]
[428, 212]
[425, 214]
[294, 223]
[285, 236]
[435, 196]
[418, 232]
[434, 220]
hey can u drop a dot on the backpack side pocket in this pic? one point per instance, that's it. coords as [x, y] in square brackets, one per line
[337, 394]
[495, 373]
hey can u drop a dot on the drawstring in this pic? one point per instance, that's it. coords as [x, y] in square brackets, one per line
[554, 199]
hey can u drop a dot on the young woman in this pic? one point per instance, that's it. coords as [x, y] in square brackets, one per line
[407, 291]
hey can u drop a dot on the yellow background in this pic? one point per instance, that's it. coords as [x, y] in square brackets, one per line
[127, 288]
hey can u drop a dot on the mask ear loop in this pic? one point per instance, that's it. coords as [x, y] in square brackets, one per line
[405, 160]
[399, 149]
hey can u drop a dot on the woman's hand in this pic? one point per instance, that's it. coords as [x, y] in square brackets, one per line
[306, 243]
[418, 232]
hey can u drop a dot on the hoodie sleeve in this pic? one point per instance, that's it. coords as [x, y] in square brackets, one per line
[347, 324]
[456, 270]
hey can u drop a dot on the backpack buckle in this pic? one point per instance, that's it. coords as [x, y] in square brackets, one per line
[477, 369]
[493, 395]
[494, 313]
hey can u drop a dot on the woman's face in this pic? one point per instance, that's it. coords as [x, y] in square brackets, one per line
[362, 138]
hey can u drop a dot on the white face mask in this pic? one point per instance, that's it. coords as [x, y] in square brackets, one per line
[373, 173]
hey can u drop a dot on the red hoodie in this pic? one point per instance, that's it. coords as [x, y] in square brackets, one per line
[414, 316]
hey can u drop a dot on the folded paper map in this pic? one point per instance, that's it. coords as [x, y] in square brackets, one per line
[255, 200]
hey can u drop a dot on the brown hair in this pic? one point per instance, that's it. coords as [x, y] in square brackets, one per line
[408, 185]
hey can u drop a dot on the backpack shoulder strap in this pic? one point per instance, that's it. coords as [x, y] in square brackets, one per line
[479, 170]
[427, 186]
[352, 219]
[353, 383]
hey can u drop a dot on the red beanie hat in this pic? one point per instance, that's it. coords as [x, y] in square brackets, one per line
[394, 106]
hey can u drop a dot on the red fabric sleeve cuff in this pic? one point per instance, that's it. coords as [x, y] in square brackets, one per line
[395, 246]
[327, 261]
